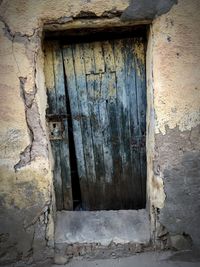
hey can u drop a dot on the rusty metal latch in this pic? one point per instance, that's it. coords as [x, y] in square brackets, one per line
[55, 130]
[56, 126]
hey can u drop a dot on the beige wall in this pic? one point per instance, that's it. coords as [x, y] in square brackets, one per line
[176, 61]
[173, 64]
[173, 67]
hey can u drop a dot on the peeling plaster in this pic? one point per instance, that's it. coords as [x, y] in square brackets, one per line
[145, 9]
[25, 194]
[30, 208]
[175, 105]
[37, 146]
[180, 171]
[32, 16]
[32, 196]
[176, 68]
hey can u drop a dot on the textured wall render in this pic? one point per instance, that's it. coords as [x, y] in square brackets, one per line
[176, 83]
[25, 171]
[26, 179]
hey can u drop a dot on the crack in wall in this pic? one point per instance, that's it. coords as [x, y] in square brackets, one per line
[11, 35]
[41, 227]
[30, 106]
[39, 238]
[25, 156]
[37, 146]
[36, 218]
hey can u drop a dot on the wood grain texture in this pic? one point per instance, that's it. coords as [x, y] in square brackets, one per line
[57, 106]
[106, 85]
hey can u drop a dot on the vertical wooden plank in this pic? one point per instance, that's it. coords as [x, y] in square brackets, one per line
[105, 128]
[59, 79]
[111, 109]
[103, 140]
[49, 78]
[128, 170]
[52, 109]
[129, 121]
[84, 111]
[57, 105]
[71, 87]
[57, 174]
[108, 189]
[94, 81]
[84, 62]
[66, 170]
[121, 93]
[139, 60]
[98, 57]
[64, 144]
[88, 57]
[126, 185]
[94, 97]
[75, 73]
[133, 119]
[108, 56]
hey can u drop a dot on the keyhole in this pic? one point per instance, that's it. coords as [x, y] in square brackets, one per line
[56, 130]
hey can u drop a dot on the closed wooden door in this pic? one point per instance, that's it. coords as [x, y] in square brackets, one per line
[104, 83]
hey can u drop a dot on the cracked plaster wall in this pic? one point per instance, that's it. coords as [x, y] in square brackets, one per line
[26, 194]
[174, 119]
[173, 111]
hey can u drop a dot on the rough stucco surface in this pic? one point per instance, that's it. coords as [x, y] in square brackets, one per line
[176, 84]
[25, 171]
[145, 9]
[27, 16]
[181, 175]
[176, 60]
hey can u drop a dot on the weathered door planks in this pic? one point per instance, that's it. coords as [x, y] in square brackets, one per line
[106, 85]
[56, 109]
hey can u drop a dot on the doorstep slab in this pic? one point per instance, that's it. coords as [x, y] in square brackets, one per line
[102, 227]
[146, 259]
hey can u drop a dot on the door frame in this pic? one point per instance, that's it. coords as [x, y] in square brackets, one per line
[56, 30]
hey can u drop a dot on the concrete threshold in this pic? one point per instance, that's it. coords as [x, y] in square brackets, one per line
[146, 259]
[100, 234]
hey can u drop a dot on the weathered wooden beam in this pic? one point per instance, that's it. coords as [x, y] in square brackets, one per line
[92, 23]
